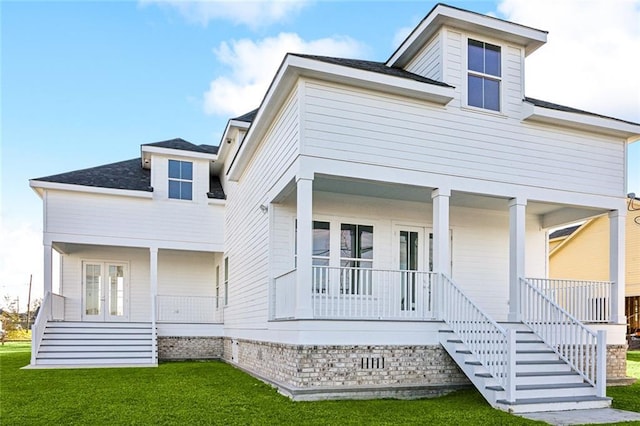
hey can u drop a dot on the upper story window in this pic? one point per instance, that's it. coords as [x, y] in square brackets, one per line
[180, 179]
[484, 75]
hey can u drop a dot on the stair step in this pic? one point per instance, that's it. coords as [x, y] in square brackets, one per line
[544, 386]
[528, 405]
[94, 354]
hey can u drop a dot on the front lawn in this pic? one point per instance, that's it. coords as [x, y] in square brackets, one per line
[628, 397]
[216, 393]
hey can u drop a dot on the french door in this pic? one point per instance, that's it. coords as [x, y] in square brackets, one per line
[105, 290]
[412, 252]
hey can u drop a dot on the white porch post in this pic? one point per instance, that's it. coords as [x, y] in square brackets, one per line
[616, 264]
[441, 243]
[517, 212]
[153, 278]
[48, 258]
[305, 247]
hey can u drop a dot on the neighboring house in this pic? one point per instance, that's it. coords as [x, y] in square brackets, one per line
[368, 231]
[581, 252]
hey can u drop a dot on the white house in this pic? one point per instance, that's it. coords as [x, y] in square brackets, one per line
[372, 229]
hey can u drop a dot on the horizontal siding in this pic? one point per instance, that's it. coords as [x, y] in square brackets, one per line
[427, 62]
[128, 218]
[512, 81]
[186, 273]
[369, 127]
[247, 236]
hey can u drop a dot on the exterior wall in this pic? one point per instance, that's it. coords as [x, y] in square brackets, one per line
[585, 254]
[480, 247]
[428, 62]
[247, 234]
[186, 273]
[182, 348]
[118, 220]
[346, 366]
[139, 303]
[367, 127]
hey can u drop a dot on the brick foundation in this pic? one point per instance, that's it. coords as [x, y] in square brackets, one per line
[378, 370]
[181, 348]
[616, 362]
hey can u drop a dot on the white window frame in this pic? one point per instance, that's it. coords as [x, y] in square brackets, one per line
[180, 180]
[226, 281]
[466, 72]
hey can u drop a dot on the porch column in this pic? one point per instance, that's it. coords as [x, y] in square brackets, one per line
[517, 235]
[441, 237]
[153, 280]
[48, 258]
[617, 264]
[305, 247]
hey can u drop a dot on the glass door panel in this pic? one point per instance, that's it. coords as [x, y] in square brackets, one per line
[408, 261]
[93, 290]
[116, 290]
[105, 292]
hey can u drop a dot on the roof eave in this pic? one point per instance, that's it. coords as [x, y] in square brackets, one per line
[443, 15]
[147, 150]
[294, 67]
[39, 186]
[607, 126]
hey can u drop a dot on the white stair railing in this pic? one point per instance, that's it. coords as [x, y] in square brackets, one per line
[583, 349]
[492, 345]
[52, 308]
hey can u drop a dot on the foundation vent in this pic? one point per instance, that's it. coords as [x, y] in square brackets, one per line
[368, 363]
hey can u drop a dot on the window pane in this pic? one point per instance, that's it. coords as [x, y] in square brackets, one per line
[403, 250]
[476, 56]
[366, 242]
[185, 190]
[321, 238]
[187, 170]
[475, 91]
[492, 60]
[413, 251]
[348, 240]
[491, 94]
[174, 189]
[174, 169]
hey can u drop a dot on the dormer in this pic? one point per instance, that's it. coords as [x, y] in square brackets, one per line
[182, 171]
[482, 56]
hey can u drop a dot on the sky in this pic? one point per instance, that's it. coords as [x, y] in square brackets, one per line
[86, 83]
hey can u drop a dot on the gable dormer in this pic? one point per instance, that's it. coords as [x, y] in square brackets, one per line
[180, 171]
[482, 56]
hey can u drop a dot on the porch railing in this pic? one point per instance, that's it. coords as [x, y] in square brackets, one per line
[583, 349]
[189, 309]
[51, 309]
[363, 293]
[284, 295]
[492, 344]
[588, 301]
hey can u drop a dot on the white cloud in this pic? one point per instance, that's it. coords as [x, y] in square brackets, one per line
[591, 60]
[253, 64]
[400, 35]
[21, 255]
[254, 14]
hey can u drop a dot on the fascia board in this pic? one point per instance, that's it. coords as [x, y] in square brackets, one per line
[606, 126]
[231, 125]
[178, 152]
[41, 185]
[442, 15]
[295, 67]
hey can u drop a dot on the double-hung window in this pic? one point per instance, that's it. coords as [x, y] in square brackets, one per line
[356, 259]
[180, 179]
[320, 255]
[484, 75]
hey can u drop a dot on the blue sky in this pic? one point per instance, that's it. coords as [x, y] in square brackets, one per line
[85, 83]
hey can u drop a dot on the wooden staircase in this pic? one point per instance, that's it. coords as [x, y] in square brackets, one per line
[544, 382]
[96, 344]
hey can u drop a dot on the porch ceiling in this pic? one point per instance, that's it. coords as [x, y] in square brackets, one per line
[551, 214]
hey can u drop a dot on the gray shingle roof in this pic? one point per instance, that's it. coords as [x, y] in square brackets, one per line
[377, 67]
[182, 145]
[557, 107]
[564, 232]
[211, 149]
[248, 117]
[127, 174]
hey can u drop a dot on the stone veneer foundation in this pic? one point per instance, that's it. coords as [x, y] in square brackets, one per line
[617, 366]
[183, 348]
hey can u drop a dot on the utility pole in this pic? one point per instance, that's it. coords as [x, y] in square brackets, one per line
[29, 302]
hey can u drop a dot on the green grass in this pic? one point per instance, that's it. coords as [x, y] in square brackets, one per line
[216, 393]
[628, 397]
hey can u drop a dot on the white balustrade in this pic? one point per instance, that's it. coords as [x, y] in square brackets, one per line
[284, 295]
[579, 346]
[588, 301]
[189, 309]
[57, 307]
[492, 345]
[52, 308]
[364, 293]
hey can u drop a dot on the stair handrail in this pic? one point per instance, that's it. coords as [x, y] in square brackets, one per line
[580, 347]
[491, 344]
[38, 326]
